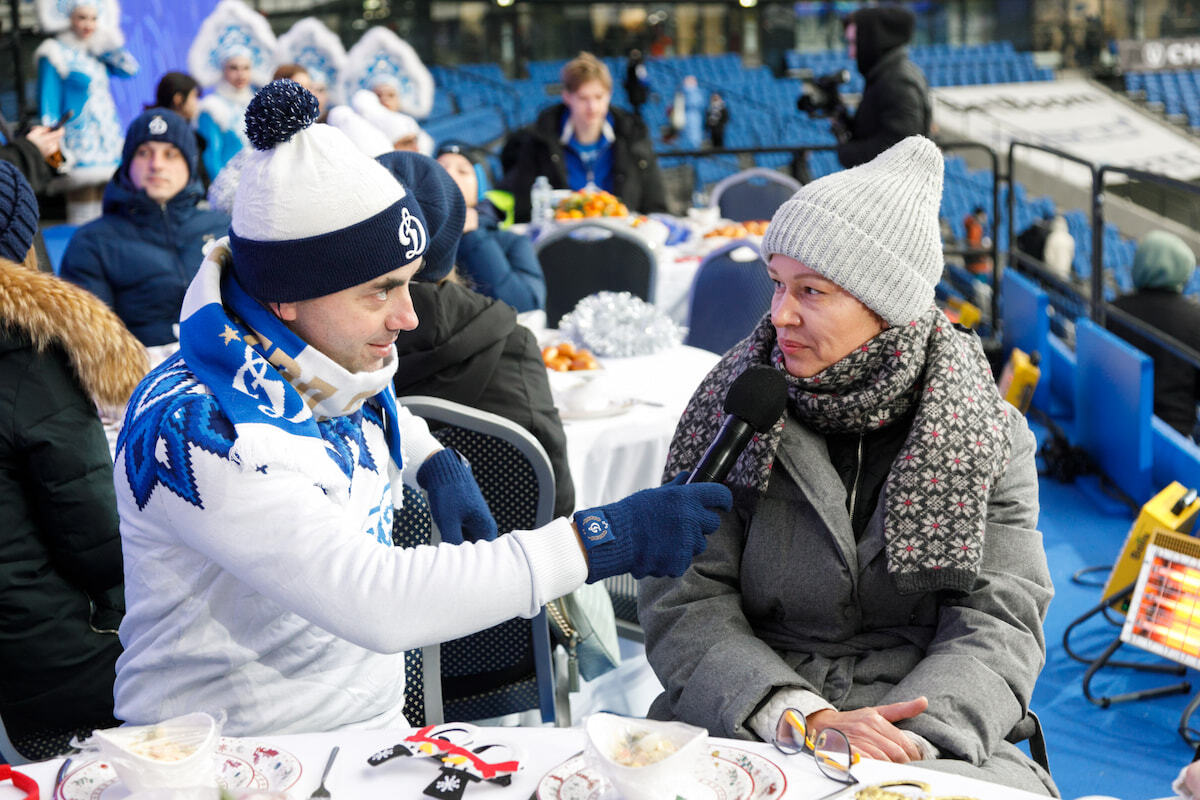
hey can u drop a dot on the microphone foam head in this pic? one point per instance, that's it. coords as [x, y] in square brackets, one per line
[757, 396]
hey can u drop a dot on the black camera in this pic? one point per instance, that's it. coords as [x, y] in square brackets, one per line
[820, 98]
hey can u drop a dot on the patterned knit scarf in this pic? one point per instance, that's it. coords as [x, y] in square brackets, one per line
[958, 446]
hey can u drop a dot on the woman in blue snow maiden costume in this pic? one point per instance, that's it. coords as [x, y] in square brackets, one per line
[73, 78]
[231, 56]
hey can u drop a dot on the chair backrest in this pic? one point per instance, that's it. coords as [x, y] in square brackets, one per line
[753, 193]
[730, 293]
[57, 237]
[8, 751]
[412, 526]
[506, 668]
[586, 257]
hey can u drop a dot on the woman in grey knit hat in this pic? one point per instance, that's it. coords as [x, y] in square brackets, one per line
[881, 571]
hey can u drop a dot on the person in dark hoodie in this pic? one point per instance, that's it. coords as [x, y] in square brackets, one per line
[140, 256]
[895, 101]
[62, 351]
[467, 347]
[583, 141]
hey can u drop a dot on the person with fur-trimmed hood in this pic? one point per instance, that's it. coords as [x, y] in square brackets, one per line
[62, 351]
[895, 100]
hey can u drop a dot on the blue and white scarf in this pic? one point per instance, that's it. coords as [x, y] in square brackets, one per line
[261, 373]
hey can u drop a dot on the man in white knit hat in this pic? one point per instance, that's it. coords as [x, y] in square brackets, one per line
[258, 468]
[881, 574]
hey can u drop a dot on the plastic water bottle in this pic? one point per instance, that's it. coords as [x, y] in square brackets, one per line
[541, 199]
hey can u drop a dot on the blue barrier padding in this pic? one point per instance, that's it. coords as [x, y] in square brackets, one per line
[1026, 324]
[1114, 400]
[1176, 457]
[1062, 381]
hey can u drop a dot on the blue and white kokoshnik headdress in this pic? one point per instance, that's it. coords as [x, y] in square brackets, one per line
[232, 29]
[381, 56]
[55, 15]
[319, 50]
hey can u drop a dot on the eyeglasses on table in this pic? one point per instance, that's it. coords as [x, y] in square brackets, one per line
[830, 748]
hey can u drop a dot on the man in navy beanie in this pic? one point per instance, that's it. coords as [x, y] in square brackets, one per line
[141, 254]
[259, 468]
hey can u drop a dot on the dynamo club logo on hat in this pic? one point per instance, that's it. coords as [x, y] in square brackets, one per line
[157, 126]
[412, 234]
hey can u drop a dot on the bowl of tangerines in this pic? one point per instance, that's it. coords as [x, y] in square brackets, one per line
[589, 204]
[566, 357]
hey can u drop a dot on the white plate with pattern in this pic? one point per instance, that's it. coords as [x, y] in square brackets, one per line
[726, 773]
[240, 764]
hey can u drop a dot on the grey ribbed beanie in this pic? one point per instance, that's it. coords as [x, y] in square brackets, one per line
[873, 229]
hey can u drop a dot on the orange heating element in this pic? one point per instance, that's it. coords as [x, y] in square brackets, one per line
[1164, 613]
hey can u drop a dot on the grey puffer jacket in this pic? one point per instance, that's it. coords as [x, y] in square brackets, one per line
[788, 598]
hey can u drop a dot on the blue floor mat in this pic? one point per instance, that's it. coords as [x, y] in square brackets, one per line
[1129, 750]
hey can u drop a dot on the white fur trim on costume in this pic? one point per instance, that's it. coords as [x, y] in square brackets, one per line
[223, 105]
[316, 48]
[394, 125]
[53, 51]
[300, 187]
[366, 137]
[381, 53]
[232, 27]
[55, 15]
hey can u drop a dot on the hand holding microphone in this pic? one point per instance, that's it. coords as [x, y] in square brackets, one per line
[753, 404]
[659, 531]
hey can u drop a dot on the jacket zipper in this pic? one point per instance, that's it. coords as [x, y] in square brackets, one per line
[857, 477]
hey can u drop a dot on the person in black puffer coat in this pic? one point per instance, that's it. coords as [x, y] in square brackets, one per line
[61, 352]
[606, 146]
[895, 101]
[142, 254]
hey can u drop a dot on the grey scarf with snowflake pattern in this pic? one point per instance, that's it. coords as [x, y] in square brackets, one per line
[937, 490]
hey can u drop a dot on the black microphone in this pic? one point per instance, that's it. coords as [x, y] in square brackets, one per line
[754, 403]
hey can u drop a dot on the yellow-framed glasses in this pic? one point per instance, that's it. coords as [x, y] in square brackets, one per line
[830, 747]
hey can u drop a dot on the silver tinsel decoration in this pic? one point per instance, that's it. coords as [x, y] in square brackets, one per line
[617, 324]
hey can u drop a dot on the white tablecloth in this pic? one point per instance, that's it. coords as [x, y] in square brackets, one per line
[613, 457]
[543, 748]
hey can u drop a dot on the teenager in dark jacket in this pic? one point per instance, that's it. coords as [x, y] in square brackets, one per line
[61, 351]
[466, 347]
[1162, 267]
[583, 140]
[895, 100]
[140, 256]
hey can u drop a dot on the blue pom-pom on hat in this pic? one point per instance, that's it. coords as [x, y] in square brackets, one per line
[278, 112]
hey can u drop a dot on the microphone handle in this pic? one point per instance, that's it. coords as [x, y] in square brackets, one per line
[724, 451]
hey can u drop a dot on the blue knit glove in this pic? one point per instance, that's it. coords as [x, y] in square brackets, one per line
[653, 532]
[457, 507]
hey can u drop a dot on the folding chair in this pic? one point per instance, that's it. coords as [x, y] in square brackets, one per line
[586, 257]
[753, 193]
[507, 668]
[729, 295]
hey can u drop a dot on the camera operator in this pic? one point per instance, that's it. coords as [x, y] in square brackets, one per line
[895, 101]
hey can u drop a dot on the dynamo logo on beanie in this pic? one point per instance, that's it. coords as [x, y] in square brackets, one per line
[412, 234]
